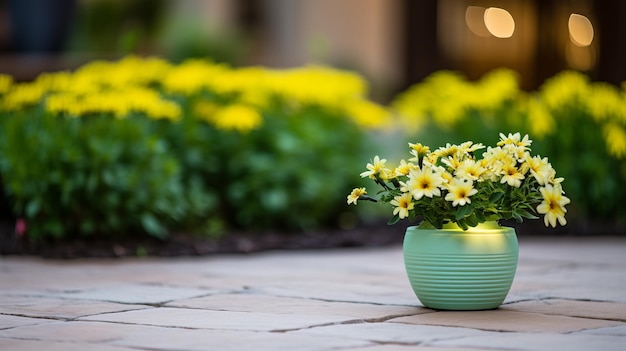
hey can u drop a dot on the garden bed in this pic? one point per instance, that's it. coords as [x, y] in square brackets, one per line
[183, 244]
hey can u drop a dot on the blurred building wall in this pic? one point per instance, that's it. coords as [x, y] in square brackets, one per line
[365, 35]
[394, 43]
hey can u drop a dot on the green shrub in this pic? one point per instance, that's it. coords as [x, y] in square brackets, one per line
[91, 176]
[579, 125]
[141, 145]
[292, 173]
[588, 136]
[286, 168]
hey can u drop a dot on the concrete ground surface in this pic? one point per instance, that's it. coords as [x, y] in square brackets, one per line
[568, 294]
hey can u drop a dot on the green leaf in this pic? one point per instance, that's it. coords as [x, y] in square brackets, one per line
[480, 216]
[151, 225]
[461, 223]
[437, 222]
[394, 220]
[496, 196]
[463, 211]
[526, 214]
[471, 220]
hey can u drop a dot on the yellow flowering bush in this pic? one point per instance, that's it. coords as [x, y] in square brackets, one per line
[453, 184]
[580, 123]
[445, 98]
[271, 135]
[588, 140]
[144, 145]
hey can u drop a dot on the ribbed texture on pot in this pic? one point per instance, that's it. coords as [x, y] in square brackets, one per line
[461, 282]
[452, 269]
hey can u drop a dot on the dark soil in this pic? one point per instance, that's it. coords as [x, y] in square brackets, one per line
[192, 245]
[371, 235]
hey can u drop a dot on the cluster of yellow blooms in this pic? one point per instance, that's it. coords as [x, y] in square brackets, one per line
[150, 86]
[436, 184]
[5, 83]
[447, 97]
[605, 103]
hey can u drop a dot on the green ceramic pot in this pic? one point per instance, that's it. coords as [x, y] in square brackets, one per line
[452, 269]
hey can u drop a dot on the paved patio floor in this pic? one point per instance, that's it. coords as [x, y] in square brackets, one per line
[568, 294]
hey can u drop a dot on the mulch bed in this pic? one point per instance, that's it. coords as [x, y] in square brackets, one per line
[191, 245]
[371, 235]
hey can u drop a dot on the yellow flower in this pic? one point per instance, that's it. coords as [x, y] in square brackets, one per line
[315, 85]
[355, 195]
[21, 95]
[566, 87]
[469, 147]
[194, 75]
[446, 177]
[5, 83]
[239, 117]
[495, 155]
[404, 168]
[541, 121]
[376, 168]
[452, 162]
[205, 110]
[511, 175]
[459, 191]
[418, 150]
[514, 139]
[116, 102]
[447, 151]
[446, 96]
[553, 205]
[404, 204]
[388, 174]
[615, 137]
[540, 168]
[605, 101]
[469, 169]
[424, 182]
[368, 114]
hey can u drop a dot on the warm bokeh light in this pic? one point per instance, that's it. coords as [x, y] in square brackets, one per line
[499, 22]
[475, 20]
[580, 30]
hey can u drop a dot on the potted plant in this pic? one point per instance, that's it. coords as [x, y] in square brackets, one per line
[459, 257]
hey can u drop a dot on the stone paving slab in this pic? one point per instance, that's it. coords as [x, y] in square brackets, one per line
[11, 321]
[30, 345]
[248, 302]
[393, 333]
[568, 294]
[159, 338]
[133, 294]
[585, 309]
[393, 347]
[618, 331]
[537, 342]
[226, 320]
[58, 308]
[346, 292]
[507, 321]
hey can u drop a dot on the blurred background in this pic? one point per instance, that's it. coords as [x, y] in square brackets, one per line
[212, 97]
[393, 43]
